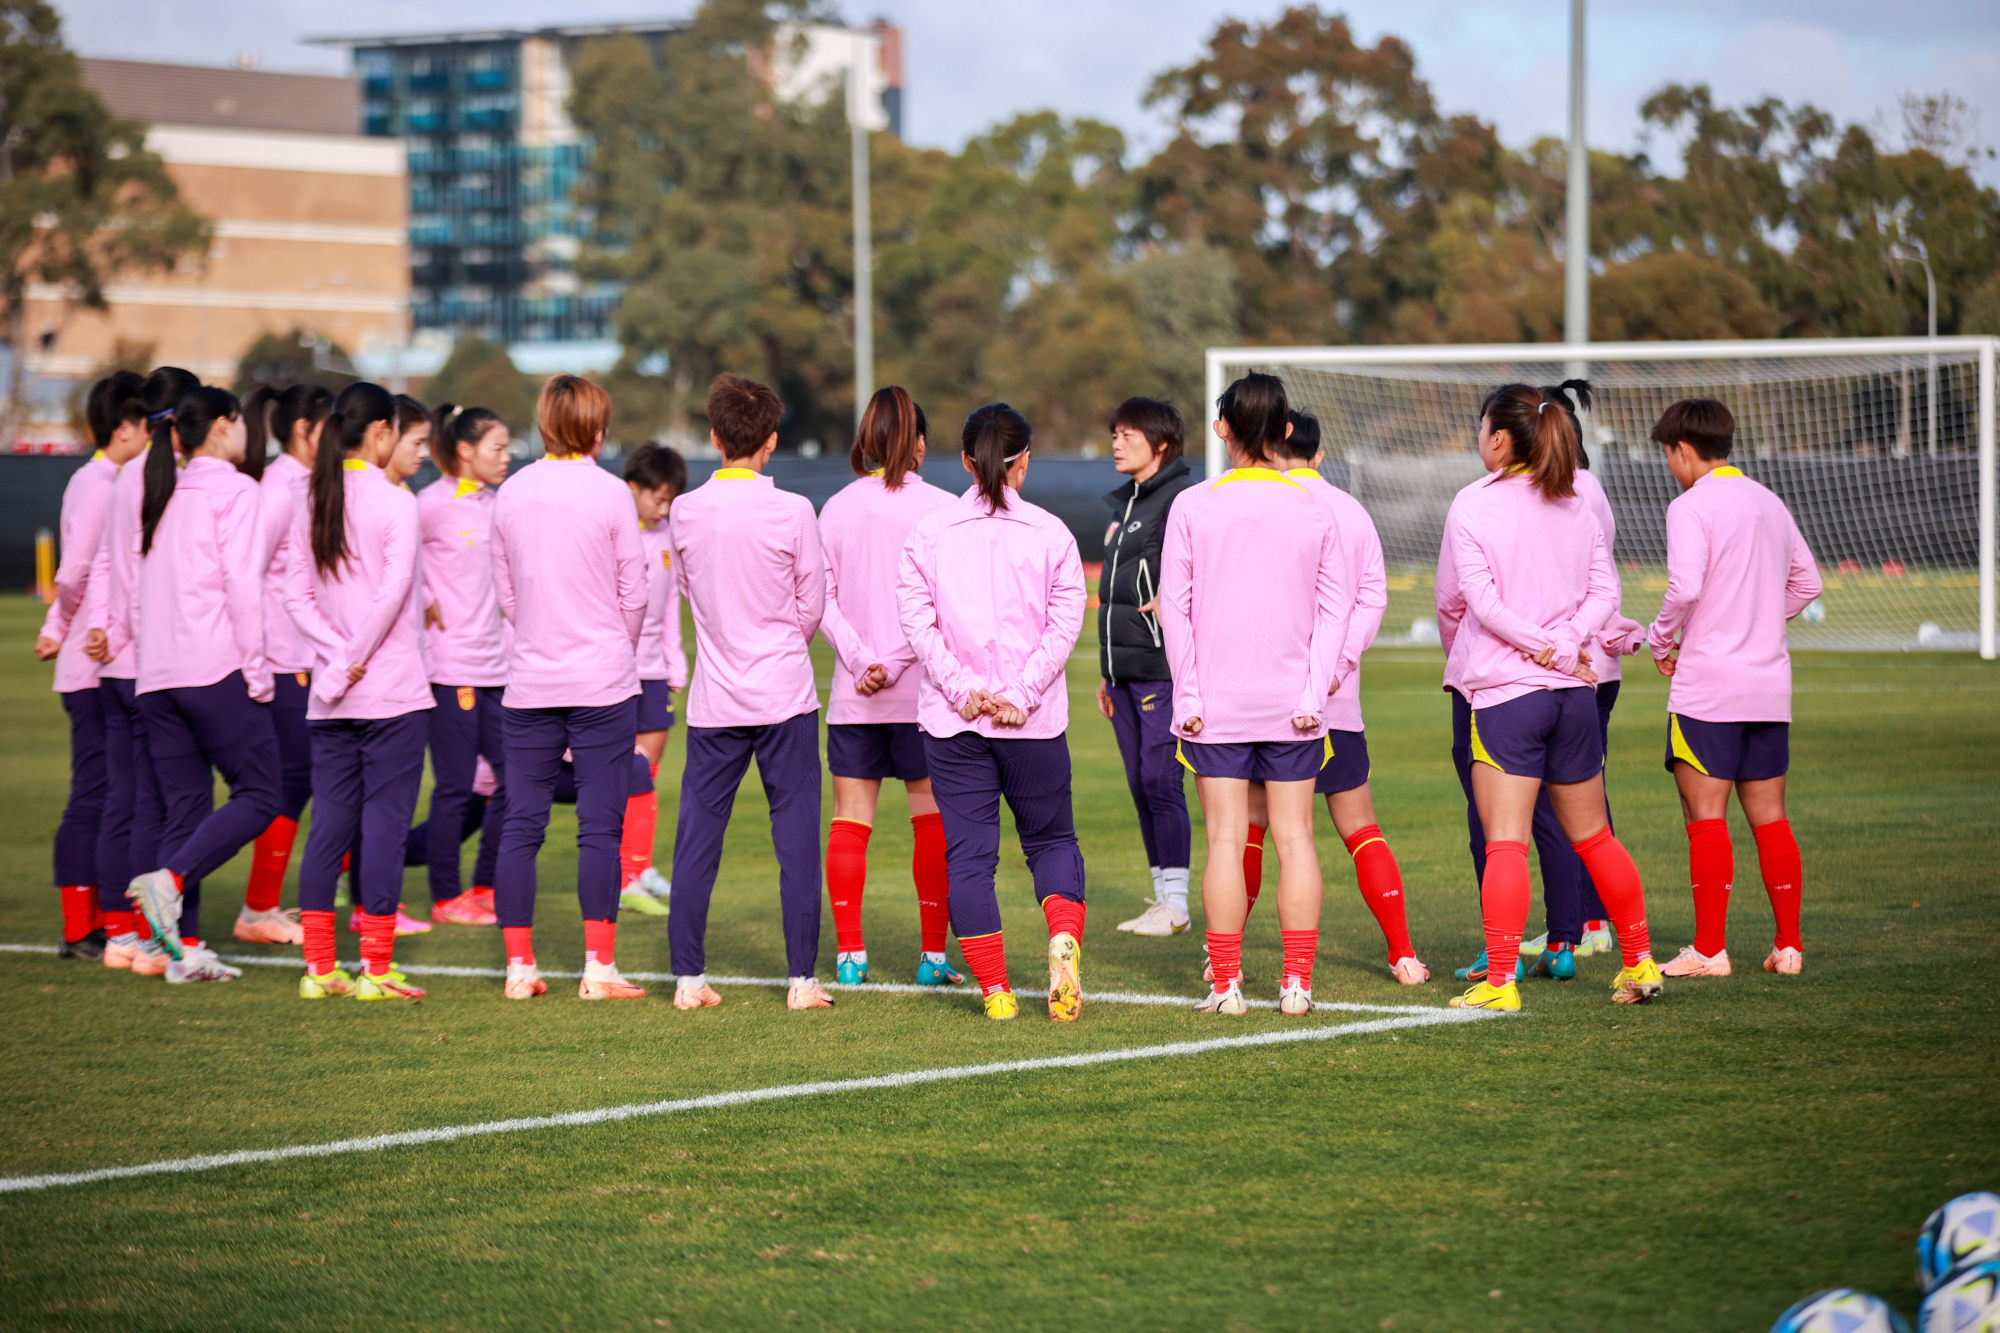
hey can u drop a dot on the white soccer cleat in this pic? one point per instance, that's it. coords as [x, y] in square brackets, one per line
[271, 925]
[1691, 962]
[1596, 939]
[1410, 971]
[656, 884]
[1158, 921]
[1295, 997]
[1787, 962]
[1224, 1002]
[1533, 948]
[149, 960]
[603, 981]
[157, 897]
[524, 982]
[802, 993]
[199, 963]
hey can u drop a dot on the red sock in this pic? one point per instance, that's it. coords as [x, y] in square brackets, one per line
[846, 877]
[1064, 914]
[635, 844]
[600, 940]
[121, 923]
[77, 900]
[268, 860]
[927, 868]
[1711, 868]
[1381, 881]
[520, 944]
[1617, 881]
[320, 956]
[1503, 906]
[1784, 874]
[1225, 958]
[378, 942]
[1253, 864]
[1300, 947]
[986, 955]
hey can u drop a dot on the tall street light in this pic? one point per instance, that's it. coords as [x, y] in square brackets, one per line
[1576, 218]
[1931, 387]
[863, 45]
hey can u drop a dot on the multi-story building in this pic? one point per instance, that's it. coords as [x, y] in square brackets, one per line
[493, 159]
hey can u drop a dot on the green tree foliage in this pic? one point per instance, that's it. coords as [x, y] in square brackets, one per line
[289, 358]
[479, 373]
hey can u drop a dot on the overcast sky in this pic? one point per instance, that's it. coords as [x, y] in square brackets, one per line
[971, 63]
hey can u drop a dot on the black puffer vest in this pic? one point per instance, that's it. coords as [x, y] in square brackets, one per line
[1129, 646]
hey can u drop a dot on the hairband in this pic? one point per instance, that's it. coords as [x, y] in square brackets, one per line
[1011, 457]
[1541, 407]
[161, 416]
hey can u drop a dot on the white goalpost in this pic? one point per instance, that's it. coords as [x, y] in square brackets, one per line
[1883, 447]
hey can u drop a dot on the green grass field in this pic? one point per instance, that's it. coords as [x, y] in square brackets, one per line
[1697, 1164]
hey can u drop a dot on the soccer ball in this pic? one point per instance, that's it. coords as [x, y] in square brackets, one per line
[1967, 1302]
[1964, 1231]
[1815, 612]
[1841, 1310]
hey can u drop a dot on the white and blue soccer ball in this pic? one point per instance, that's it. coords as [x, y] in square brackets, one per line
[1815, 612]
[1966, 1302]
[1964, 1231]
[1841, 1310]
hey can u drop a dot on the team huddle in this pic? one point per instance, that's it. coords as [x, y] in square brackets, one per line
[260, 596]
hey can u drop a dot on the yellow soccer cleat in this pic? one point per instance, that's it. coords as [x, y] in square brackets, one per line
[1488, 996]
[1002, 1004]
[390, 985]
[1065, 986]
[1637, 984]
[326, 985]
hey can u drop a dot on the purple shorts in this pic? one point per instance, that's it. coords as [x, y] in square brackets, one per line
[656, 706]
[876, 750]
[1553, 735]
[1255, 761]
[1348, 768]
[1733, 751]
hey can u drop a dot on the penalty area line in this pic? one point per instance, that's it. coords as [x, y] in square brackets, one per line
[724, 1100]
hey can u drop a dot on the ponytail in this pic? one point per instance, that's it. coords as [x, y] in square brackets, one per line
[1255, 410]
[359, 406]
[995, 436]
[271, 417]
[256, 431]
[888, 436]
[1542, 431]
[163, 390]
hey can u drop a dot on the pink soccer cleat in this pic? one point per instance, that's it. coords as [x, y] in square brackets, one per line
[464, 910]
[1787, 962]
[405, 923]
[695, 993]
[803, 993]
[1691, 963]
[271, 925]
[1410, 971]
[602, 981]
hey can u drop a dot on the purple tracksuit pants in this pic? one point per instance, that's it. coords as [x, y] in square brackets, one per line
[1142, 718]
[600, 741]
[128, 838]
[468, 721]
[970, 775]
[366, 772]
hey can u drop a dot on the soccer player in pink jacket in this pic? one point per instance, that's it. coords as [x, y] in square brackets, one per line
[1529, 580]
[750, 564]
[118, 425]
[989, 590]
[1252, 672]
[1737, 571]
[294, 419]
[871, 731]
[196, 615]
[355, 595]
[655, 475]
[465, 642]
[571, 579]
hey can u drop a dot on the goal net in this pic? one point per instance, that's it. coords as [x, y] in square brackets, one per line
[1883, 449]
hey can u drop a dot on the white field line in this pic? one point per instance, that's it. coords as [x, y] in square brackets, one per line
[723, 1100]
[779, 983]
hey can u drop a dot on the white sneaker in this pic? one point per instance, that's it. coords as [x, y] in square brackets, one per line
[653, 882]
[524, 982]
[1295, 997]
[199, 963]
[1790, 962]
[1158, 921]
[1691, 962]
[155, 894]
[1533, 948]
[1224, 1002]
[1410, 971]
[1596, 940]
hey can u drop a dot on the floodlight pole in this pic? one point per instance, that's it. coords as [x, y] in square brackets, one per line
[864, 241]
[1930, 293]
[1576, 221]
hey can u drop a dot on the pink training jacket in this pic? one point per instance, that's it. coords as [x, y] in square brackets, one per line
[1523, 573]
[370, 610]
[1737, 570]
[455, 518]
[1621, 634]
[752, 570]
[1368, 577]
[196, 612]
[661, 656]
[571, 578]
[991, 600]
[863, 528]
[116, 571]
[86, 514]
[286, 484]
[1255, 601]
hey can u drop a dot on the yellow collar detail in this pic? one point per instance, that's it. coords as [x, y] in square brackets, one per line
[466, 486]
[98, 456]
[734, 474]
[355, 464]
[1254, 474]
[1302, 472]
[878, 472]
[1726, 471]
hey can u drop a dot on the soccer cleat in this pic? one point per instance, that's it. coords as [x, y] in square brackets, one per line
[90, 948]
[936, 971]
[1295, 997]
[120, 950]
[150, 960]
[1532, 947]
[1002, 1004]
[270, 925]
[851, 969]
[1410, 971]
[390, 985]
[1637, 984]
[1597, 939]
[1487, 996]
[1555, 964]
[464, 910]
[1158, 921]
[1228, 1001]
[483, 895]
[695, 993]
[1065, 985]
[1690, 962]
[158, 898]
[405, 923]
[1789, 962]
[653, 882]
[524, 982]
[199, 963]
[602, 981]
[326, 985]
[1477, 971]
[639, 902]
[807, 993]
